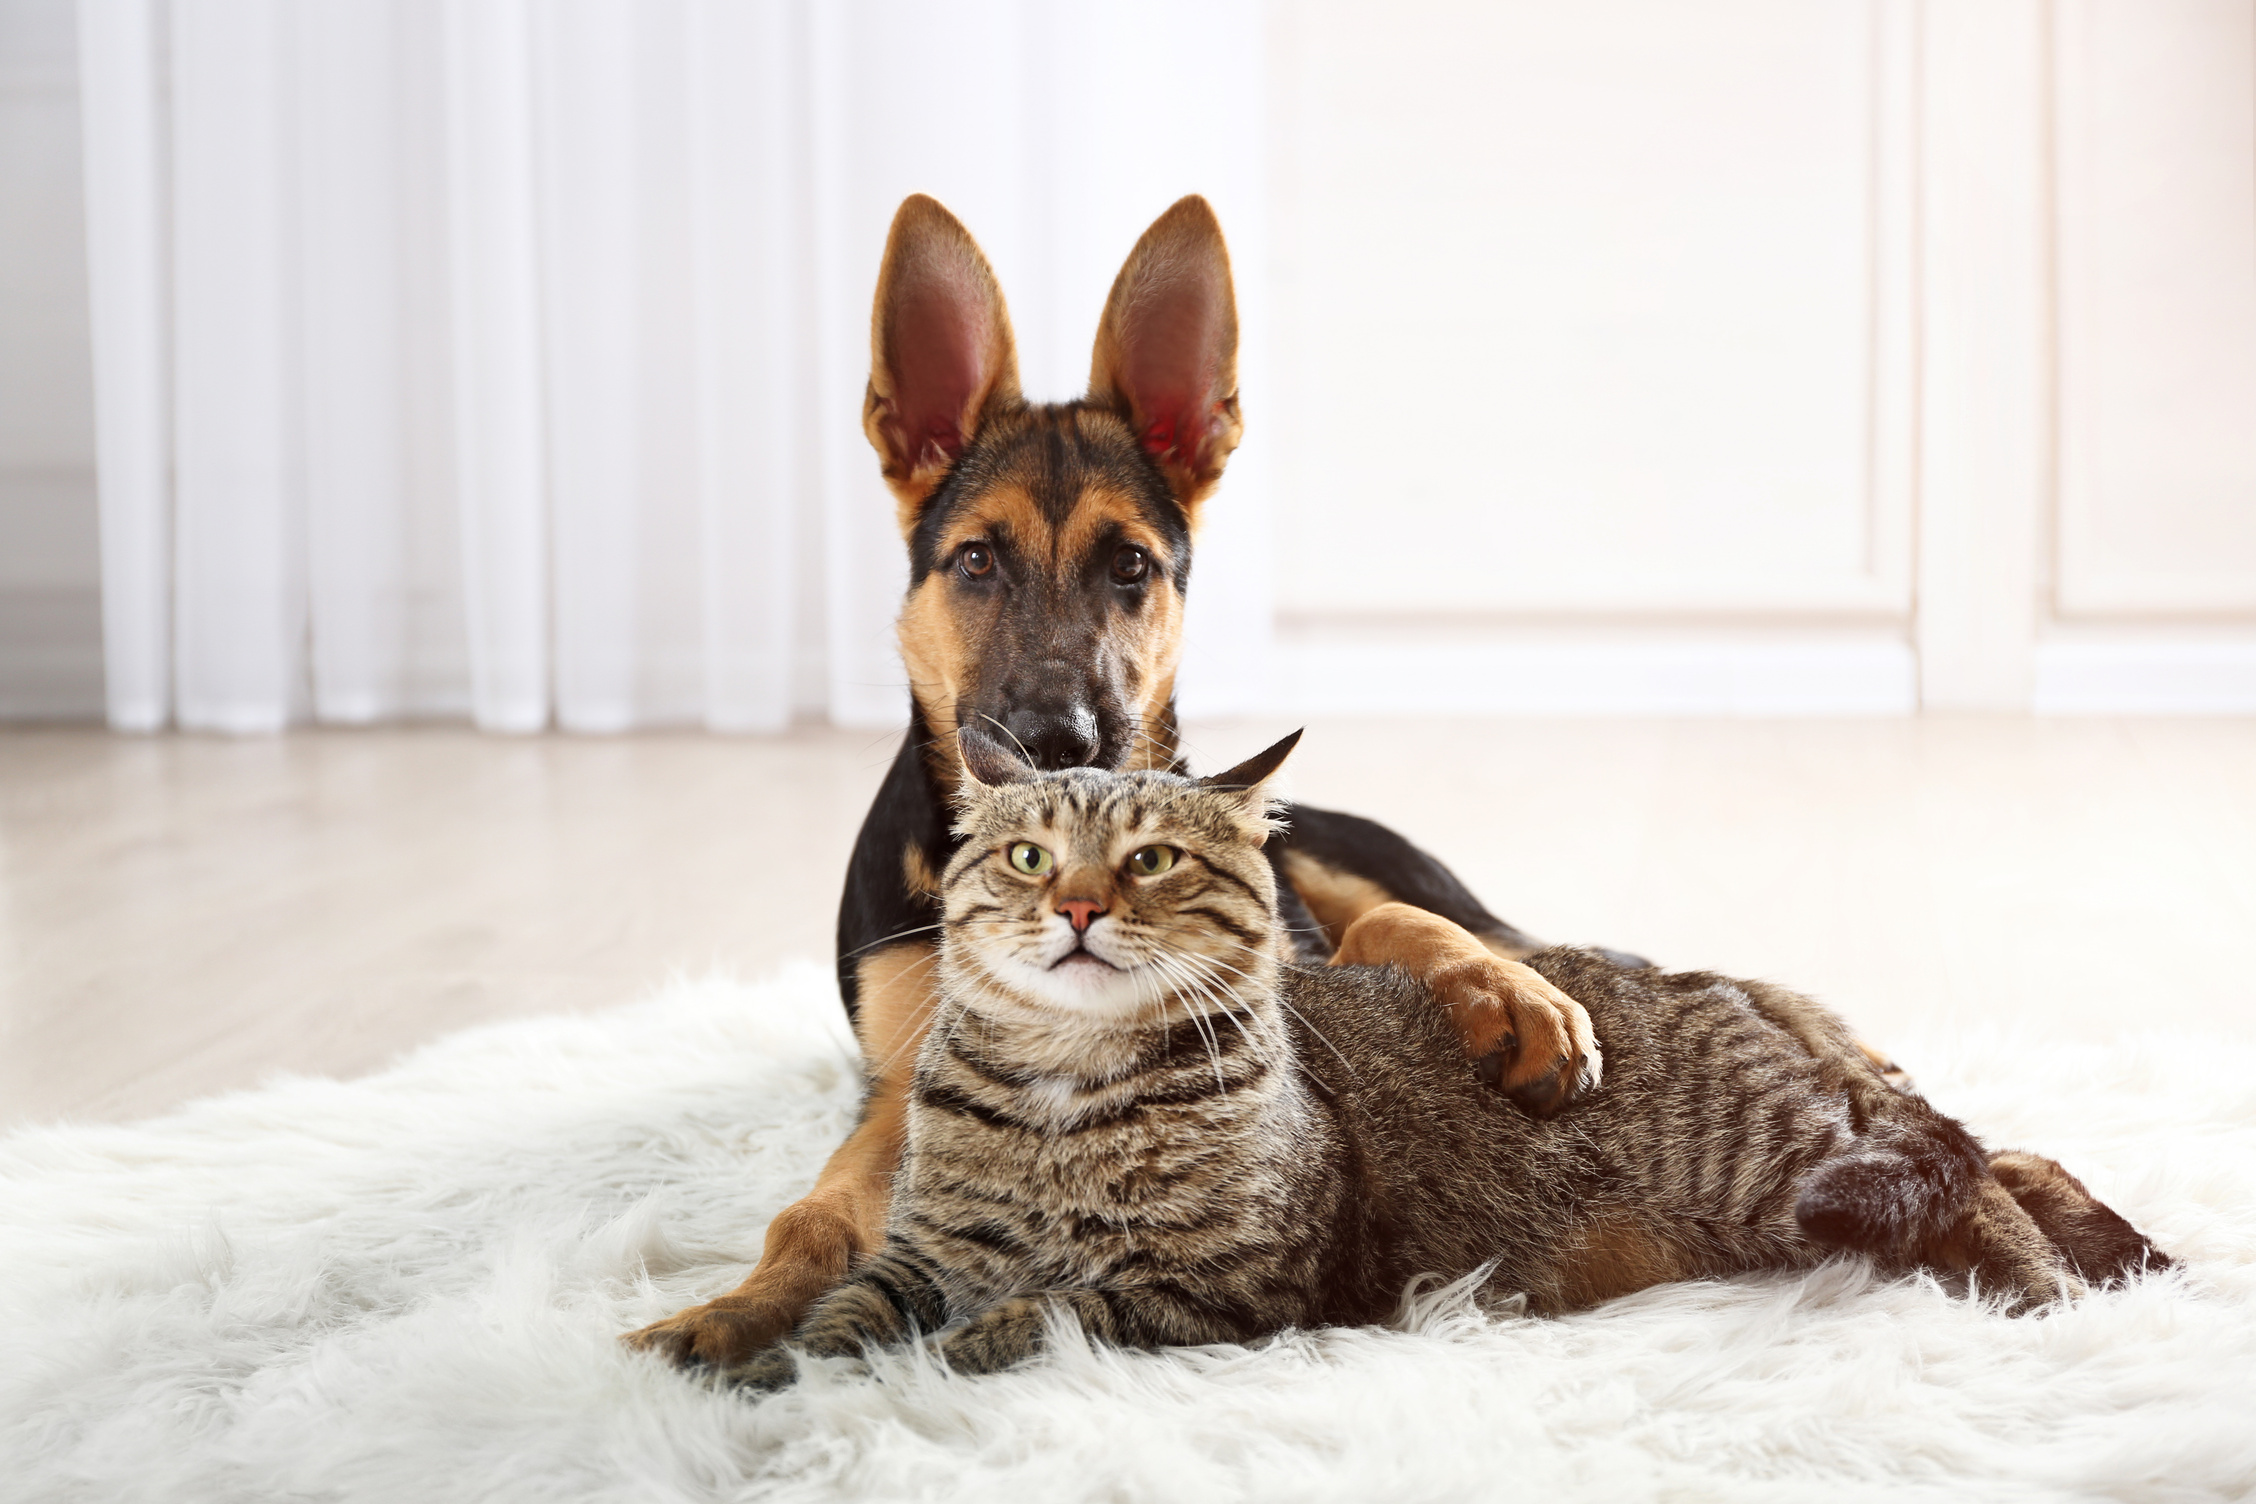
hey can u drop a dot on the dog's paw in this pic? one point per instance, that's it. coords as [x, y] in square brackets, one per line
[1525, 1037]
[717, 1334]
[1890, 1072]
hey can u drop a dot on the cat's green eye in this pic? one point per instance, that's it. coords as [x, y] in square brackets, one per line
[1151, 861]
[1030, 859]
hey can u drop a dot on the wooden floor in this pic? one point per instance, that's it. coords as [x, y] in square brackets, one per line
[180, 915]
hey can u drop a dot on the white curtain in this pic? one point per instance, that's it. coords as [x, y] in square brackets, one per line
[503, 358]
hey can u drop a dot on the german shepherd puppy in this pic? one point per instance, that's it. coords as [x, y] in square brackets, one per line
[1049, 551]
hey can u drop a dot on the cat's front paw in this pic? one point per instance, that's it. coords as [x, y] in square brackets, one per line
[1525, 1037]
[765, 1371]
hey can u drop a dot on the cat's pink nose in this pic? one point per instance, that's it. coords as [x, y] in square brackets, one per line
[1081, 911]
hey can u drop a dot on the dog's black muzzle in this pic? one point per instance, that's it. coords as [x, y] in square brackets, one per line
[1060, 735]
[1087, 728]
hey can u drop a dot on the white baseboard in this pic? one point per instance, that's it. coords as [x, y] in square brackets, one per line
[2160, 677]
[1832, 675]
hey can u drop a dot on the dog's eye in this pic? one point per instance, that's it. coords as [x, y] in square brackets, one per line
[975, 559]
[1151, 861]
[1130, 564]
[1030, 858]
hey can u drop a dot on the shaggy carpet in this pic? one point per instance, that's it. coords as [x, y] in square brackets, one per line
[406, 1288]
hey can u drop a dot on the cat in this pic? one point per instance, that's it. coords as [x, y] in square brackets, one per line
[1136, 1109]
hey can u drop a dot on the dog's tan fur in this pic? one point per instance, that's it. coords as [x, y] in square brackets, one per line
[1619, 1254]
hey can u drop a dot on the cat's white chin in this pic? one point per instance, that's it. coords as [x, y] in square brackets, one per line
[1079, 983]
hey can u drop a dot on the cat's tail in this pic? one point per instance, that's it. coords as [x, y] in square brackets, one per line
[1902, 1189]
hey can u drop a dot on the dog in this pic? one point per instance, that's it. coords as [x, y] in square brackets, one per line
[1049, 553]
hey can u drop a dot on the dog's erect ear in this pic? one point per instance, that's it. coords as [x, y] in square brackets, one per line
[1167, 348]
[1255, 770]
[941, 356]
[988, 761]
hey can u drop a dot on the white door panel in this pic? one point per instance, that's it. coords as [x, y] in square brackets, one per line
[1579, 309]
[2157, 133]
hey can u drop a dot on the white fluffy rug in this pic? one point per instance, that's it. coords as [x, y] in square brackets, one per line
[406, 1288]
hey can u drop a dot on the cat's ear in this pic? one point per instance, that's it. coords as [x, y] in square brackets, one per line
[1167, 349]
[1257, 769]
[941, 354]
[989, 762]
[1251, 778]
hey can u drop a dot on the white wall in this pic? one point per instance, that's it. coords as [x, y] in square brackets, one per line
[1635, 355]
[50, 603]
[1642, 355]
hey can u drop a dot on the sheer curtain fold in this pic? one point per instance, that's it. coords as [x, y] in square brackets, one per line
[593, 315]
[238, 542]
[745, 98]
[495, 326]
[504, 358]
[121, 88]
[350, 232]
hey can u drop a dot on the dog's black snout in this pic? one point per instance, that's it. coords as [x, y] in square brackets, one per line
[1059, 738]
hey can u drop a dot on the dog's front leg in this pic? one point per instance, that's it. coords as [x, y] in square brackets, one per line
[1532, 1038]
[814, 1242]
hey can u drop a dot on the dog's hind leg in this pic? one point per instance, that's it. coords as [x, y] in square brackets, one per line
[1915, 1188]
[2007, 1253]
[1927, 1200]
[2102, 1247]
[1890, 1072]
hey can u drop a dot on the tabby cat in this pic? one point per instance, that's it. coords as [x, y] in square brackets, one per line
[1136, 1110]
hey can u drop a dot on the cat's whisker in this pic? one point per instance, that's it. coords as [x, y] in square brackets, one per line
[1168, 752]
[1210, 988]
[1258, 1040]
[914, 929]
[1031, 760]
[1213, 1043]
[1197, 1020]
[1286, 1003]
[1181, 986]
[912, 1037]
[1218, 1000]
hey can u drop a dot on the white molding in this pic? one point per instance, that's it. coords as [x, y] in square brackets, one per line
[2158, 677]
[1984, 324]
[1771, 675]
[1891, 506]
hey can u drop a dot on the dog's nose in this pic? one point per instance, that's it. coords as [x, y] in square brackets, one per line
[1080, 912]
[1057, 739]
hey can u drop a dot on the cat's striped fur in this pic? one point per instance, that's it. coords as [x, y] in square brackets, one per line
[1135, 1110]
